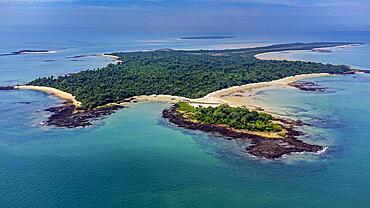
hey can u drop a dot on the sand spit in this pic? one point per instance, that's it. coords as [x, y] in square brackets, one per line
[115, 58]
[58, 93]
[245, 95]
[237, 96]
[284, 55]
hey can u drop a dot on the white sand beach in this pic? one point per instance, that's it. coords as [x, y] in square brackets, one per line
[245, 95]
[53, 91]
[115, 58]
[285, 55]
[237, 96]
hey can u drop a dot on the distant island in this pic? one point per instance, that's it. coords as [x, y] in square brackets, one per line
[206, 37]
[28, 51]
[201, 79]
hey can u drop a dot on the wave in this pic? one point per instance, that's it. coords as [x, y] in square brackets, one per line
[322, 151]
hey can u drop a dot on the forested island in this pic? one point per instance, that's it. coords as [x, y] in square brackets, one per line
[258, 133]
[28, 51]
[190, 74]
[234, 117]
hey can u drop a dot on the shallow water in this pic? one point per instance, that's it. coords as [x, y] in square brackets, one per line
[134, 158]
[356, 57]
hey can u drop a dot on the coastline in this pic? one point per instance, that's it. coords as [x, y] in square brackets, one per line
[259, 145]
[236, 96]
[266, 145]
[53, 91]
[244, 95]
[115, 58]
[282, 55]
[69, 115]
[68, 97]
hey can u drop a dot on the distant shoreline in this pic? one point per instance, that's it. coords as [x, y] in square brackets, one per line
[206, 37]
[115, 58]
[281, 55]
[28, 51]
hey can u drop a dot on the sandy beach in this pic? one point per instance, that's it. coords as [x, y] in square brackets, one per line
[285, 55]
[278, 56]
[161, 98]
[115, 58]
[237, 96]
[52, 91]
[245, 95]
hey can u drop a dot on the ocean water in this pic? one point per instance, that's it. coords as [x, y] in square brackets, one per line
[134, 158]
[18, 69]
[356, 57]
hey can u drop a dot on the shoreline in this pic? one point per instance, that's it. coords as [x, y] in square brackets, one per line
[280, 55]
[115, 58]
[263, 145]
[224, 96]
[236, 96]
[52, 91]
[257, 145]
[244, 95]
[68, 115]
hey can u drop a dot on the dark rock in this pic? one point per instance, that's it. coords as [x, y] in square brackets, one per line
[308, 86]
[260, 146]
[7, 88]
[67, 116]
[24, 52]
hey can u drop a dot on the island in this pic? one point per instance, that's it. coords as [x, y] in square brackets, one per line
[190, 74]
[203, 81]
[28, 51]
[206, 37]
[268, 137]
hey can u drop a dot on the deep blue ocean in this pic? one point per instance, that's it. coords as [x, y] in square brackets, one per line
[134, 158]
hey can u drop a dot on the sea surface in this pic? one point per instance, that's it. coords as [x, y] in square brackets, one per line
[356, 56]
[134, 158]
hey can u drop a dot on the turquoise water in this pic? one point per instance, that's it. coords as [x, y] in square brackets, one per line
[356, 57]
[134, 158]
[20, 69]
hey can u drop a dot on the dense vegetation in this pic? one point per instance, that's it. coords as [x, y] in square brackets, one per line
[192, 74]
[237, 118]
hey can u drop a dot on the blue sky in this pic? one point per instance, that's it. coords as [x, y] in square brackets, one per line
[200, 16]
